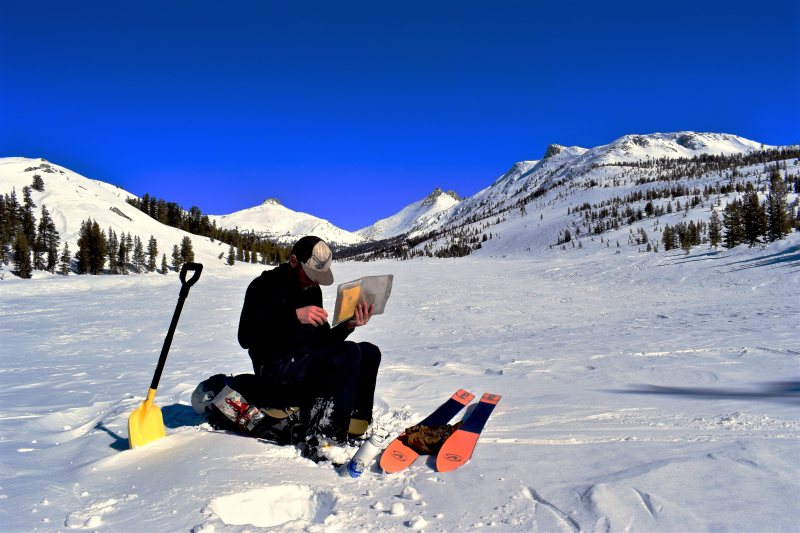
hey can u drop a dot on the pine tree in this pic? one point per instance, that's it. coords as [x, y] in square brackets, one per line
[82, 255]
[754, 218]
[246, 257]
[187, 253]
[92, 248]
[231, 256]
[692, 234]
[139, 260]
[22, 256]
[164, 266]
[176, 258]
[254, 257]
[732, 224]
[40, 244]
[4, 226]
[113, 252]
[38, 183]
[714, 228]
[98, 249]
[5, 246]
[128, 250]
[51, 242]
[668, 239]
[65, 261]
[28, 220]
[239, 252]
[152, 251]
[122, 255]
[778, 220]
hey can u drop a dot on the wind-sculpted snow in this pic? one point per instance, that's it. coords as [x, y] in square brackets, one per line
[624, 377]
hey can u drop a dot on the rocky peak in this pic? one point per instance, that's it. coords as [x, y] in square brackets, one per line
[271, 201]
[437, 192]
[553, 149]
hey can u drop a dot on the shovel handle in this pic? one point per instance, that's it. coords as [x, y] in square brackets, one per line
[185, 286]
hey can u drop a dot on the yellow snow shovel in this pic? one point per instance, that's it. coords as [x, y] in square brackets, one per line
[145, 423]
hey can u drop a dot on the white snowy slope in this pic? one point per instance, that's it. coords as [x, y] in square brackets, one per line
[560, 336]
[274, 221]
[414, 217]
[71, 199]
[568, 164]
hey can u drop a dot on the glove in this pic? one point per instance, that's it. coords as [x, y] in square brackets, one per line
[428, 440]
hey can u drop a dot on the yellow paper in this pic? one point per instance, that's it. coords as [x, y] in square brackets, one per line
[349, 302]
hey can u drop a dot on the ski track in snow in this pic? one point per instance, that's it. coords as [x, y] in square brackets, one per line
[559, 336]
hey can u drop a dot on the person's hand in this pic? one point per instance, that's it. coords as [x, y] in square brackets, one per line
[312, 315]
[363, 314]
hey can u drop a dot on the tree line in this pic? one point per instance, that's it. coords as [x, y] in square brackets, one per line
[744, 221]
[33, 246]
[196, 222]
[124, 254]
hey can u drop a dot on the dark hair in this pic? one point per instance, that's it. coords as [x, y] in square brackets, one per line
[302, 249]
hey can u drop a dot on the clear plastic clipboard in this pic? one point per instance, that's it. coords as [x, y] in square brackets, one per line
[374, 290]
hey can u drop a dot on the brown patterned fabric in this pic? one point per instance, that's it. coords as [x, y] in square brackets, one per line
[428, 440]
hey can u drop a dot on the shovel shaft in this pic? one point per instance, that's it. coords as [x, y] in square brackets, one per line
[167, 343]
[185, 286]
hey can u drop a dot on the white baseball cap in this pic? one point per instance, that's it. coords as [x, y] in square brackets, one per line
[316, 258]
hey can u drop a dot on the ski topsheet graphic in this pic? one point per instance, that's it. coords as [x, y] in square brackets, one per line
[458, 448]
[398, 456]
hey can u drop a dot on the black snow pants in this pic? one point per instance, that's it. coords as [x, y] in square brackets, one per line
[330, 385]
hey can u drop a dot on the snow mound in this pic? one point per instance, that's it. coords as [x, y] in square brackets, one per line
[272, 506]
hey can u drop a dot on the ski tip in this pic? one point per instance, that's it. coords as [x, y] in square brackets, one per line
[463, 397]
[491, 398]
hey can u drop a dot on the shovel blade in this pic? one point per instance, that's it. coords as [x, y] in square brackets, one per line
[146, 423]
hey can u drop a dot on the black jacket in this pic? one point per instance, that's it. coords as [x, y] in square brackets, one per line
[268, 326]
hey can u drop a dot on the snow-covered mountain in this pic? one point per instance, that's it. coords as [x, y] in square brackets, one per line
[71, 198]
[414, 217]
[566, 165]
[565, 177]
[276, 222]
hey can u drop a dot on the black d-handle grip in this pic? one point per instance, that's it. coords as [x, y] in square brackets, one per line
[186, 285]
[197, 267]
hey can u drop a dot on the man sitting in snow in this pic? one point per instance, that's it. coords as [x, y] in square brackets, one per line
[298, 356]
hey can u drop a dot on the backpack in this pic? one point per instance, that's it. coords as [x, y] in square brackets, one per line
[278, 424]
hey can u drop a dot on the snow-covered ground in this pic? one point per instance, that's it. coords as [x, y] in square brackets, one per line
[560, 335]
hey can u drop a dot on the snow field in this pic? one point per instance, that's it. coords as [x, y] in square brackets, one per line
[558, 335]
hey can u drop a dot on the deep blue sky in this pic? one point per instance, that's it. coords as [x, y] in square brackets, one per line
[352, 110]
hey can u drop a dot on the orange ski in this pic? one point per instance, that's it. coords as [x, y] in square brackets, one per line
[458, 448]
[398, 456]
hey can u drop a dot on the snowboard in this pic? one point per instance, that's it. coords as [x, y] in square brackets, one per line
[398, 456]
[458, 448]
